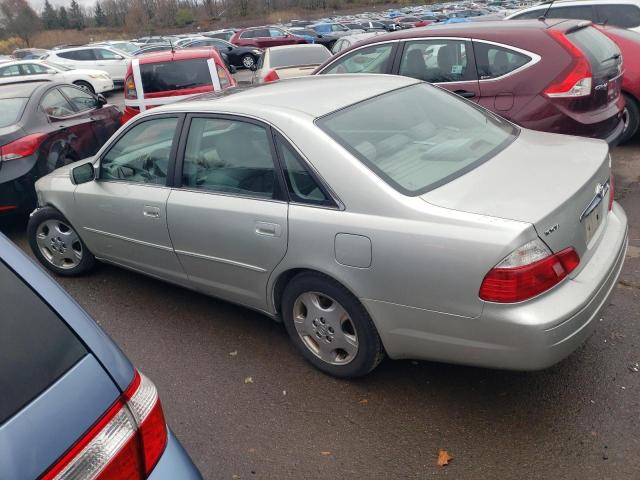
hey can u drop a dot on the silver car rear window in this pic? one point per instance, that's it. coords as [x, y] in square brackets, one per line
[419, 137]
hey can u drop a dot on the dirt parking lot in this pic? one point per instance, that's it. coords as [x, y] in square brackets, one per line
[246, 405]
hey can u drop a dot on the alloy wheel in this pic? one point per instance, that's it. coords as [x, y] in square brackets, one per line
[248, 61]
[325, 328]
[59, 244]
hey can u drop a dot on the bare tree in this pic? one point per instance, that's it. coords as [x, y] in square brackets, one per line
[19, 19]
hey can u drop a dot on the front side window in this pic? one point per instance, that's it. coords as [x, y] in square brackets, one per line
[419, 137]
[625, 16]
[55, 105]
[274, 32]
[80, 99]
[33, 69]
[142, 154]
[302, 187]
[373, 59]
[228, 156]
[494, 62]
[437, 61]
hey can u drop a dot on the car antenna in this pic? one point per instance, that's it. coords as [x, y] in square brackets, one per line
[173, 50]
[546, 12]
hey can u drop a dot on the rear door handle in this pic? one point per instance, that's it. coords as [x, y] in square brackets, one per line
[268, 229]
[465, 93]
[151, 212]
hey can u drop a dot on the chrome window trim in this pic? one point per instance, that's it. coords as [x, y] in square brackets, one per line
[535, 59]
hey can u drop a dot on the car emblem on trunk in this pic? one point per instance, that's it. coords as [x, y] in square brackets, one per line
[601, 191]
[552, 229]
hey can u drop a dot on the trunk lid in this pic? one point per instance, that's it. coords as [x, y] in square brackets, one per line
[298, 71]
[546, 180]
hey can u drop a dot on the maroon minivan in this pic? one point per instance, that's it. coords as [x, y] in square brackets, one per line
[560, 76]
[265, 37]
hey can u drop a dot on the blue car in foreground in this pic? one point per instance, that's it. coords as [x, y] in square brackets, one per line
[71, 404]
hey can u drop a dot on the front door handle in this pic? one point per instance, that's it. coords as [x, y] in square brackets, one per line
[268, 229]
[151, 212]
[465, 93]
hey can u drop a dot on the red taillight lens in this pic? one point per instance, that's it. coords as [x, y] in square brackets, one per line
[577, 82]
[272, 76]
[509, 284]
[23, 147]
[612, 190]
[126, 443]
[130, 88]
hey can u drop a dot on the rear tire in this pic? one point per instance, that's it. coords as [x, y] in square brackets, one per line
[85, 85]
[57, 245]
[248, 61]
[330, 327]
[632, 111]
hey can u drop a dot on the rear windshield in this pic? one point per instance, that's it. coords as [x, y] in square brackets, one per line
[177, 75]
[11, 110]
[36, 347]
[419, 137]
[603, 53]
[290, 57]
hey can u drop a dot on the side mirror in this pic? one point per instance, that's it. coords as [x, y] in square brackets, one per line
[253, 68]
[83, 174]
[229, 48]
[102, 101]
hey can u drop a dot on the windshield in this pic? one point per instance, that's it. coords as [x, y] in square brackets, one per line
[125, 47]
[418, 137]
[298, 56]
[57, 66]
[11, 110]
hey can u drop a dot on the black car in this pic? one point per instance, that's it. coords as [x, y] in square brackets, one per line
[245, 57]
[43, 126]
[389, 25]
[321, 38]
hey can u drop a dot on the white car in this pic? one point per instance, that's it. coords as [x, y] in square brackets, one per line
[620, 13]
[122, 45]
[111, 60]
[95, 81]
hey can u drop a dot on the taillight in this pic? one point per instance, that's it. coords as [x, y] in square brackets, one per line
[577, 82]
[272, 76]
[126, 443]
[612, 190]
[225, 82]
[130, 88]
[23, 147]
[527, 272]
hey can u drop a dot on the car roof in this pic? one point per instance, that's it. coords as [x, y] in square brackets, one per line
[330, 93]
[300, 46]
[22, 89]
[180, 54]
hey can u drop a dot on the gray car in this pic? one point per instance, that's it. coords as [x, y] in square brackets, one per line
[370, 214]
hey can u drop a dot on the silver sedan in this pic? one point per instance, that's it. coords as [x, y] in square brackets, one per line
[371, 214]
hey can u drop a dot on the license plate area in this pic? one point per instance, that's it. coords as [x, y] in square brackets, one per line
[592, 222]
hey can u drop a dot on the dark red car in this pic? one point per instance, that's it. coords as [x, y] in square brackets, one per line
[629, 43]
[265, 37]
[560, 76]
[411, 22]
[43, 126]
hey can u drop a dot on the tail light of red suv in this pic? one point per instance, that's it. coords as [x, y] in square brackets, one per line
[526, 272]
[577, 81]
[126, 443]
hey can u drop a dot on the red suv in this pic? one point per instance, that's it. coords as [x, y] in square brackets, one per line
[560, 76]
[265, 37]
[168, 76]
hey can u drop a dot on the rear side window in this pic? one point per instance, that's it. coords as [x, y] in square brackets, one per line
[494, 62]
[625, 16]
[298, 56]
[36, 346]
[419, 137]
[167, 76]
[81, 55]
[56, 105]
[373, 59]
[437, 61]
[11, 110]
[603, 54]
[578, 12]
[11, 71]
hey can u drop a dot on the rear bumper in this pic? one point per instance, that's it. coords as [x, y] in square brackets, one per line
[175, 463]
[614, 137]
[531, 335]
[17, 192]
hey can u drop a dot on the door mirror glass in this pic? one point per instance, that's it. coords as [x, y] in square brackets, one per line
[83, 174]
[101, 100]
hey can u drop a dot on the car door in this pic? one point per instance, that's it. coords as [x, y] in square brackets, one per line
[112, 63]
[228, 217]
[503, 88]
[72, 137]
[377, 58]
[447, 62]
[104, 121]
[121, 215]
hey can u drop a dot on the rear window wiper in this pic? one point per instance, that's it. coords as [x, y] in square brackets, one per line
[615, 56]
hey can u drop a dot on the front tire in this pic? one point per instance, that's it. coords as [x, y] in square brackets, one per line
[248, 61]
[330, 327]
[85, 85]
[57, 245]
[632, 122]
